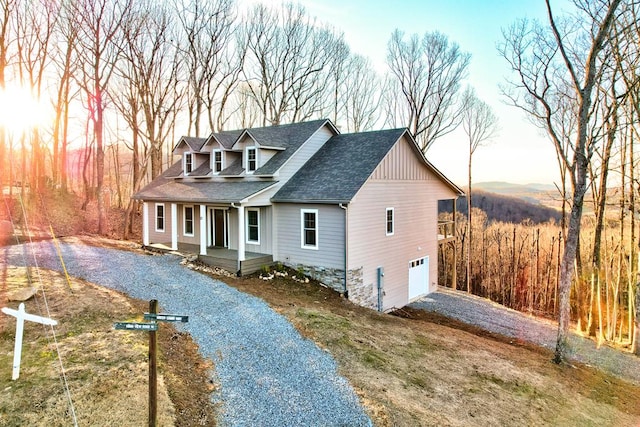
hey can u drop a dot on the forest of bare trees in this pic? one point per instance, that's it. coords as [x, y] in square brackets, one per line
[121, 80]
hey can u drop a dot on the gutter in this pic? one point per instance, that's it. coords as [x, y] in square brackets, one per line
[346, 245]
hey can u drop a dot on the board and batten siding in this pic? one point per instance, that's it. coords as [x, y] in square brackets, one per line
[330, 252]
[402, 182]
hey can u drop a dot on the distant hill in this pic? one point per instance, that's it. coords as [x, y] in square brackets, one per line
[503, 208]
[501, 187]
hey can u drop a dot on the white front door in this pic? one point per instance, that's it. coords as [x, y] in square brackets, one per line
[418, 278]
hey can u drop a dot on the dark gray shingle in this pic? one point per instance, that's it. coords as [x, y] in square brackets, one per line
[169, 190]
[338, 170]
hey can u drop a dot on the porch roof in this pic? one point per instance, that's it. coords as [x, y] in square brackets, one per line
[169, 190]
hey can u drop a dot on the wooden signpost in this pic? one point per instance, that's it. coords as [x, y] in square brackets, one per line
[21, 315]
[152, 328]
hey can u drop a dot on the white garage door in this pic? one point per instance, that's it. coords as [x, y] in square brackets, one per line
[418, 277]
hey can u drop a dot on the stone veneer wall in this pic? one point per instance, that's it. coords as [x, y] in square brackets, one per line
[330, 277]
[359, 292]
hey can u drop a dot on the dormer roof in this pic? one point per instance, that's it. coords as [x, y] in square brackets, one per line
[194, 144]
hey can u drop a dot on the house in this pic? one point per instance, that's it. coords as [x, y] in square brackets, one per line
[356, 211]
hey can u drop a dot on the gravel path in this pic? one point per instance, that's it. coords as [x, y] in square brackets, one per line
[269, 374]
[496, 318]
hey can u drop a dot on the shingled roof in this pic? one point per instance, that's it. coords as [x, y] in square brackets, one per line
[166, 189]
[194, 144]
[288, 138]
[338, 170]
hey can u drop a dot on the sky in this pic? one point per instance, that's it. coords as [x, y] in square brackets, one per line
[520, 153]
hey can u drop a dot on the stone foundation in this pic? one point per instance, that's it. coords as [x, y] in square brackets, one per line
[358, 292]
[330, 277]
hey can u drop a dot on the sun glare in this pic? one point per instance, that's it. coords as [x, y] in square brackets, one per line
[20, 111]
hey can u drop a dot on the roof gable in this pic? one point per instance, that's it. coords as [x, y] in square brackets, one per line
[341, 167]
[338, 170]
[193, 144]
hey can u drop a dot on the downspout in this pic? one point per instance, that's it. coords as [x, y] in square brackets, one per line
[345, 292]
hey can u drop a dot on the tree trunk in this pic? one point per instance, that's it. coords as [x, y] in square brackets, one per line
[636, 335]
[469, 226]
[569, 257]
[99, 156]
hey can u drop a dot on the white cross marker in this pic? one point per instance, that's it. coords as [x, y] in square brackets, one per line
[21, 316]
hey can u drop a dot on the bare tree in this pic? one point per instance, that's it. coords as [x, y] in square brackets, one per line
[149, 95]
[212, 67]
[6, 10]
[361, 95]
[551, 65]
[99, 25]
[426, 76]
[480, 124]
[287, 63]
[63, 61]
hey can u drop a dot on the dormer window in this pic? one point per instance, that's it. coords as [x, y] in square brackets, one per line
[252, 159]
[217, 161]
[188, 163]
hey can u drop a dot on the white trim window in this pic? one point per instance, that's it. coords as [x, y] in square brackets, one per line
[309, 228]
[187, 221]
[217, 161]
[160, 216]
[188, 163]
[389, 217]
[253, 226]
[252, 159]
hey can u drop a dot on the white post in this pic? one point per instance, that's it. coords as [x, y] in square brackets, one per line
[203, 230]
[145, 223]
[21, 316]
[174, 227]
[241, 226]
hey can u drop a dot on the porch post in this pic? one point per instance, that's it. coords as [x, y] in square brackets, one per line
[145, 223]
[240, 234]
[203, 230]
[174, 227]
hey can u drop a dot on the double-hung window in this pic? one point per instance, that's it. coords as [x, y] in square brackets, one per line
[160, 217]
[389, 221]
[188, 163]
[252, 159]
[253, 226]
[217, 161]
[309, 228]
[188, 221]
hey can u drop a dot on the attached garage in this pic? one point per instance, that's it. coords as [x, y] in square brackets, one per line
[418, 278]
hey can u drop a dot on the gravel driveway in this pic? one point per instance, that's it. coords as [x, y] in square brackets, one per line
[499, 319]
[269, 374]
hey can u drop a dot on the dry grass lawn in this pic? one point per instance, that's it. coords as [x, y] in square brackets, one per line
[416, 369]
[410, 369]
[106, 370]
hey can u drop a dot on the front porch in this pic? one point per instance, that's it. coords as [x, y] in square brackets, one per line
[224, 258]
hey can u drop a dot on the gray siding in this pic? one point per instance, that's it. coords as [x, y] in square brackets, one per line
[233, 228]
[295, 162]
[195, 239]
[266, 232]
[303, 154]
[158, 236]
[330, 252]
